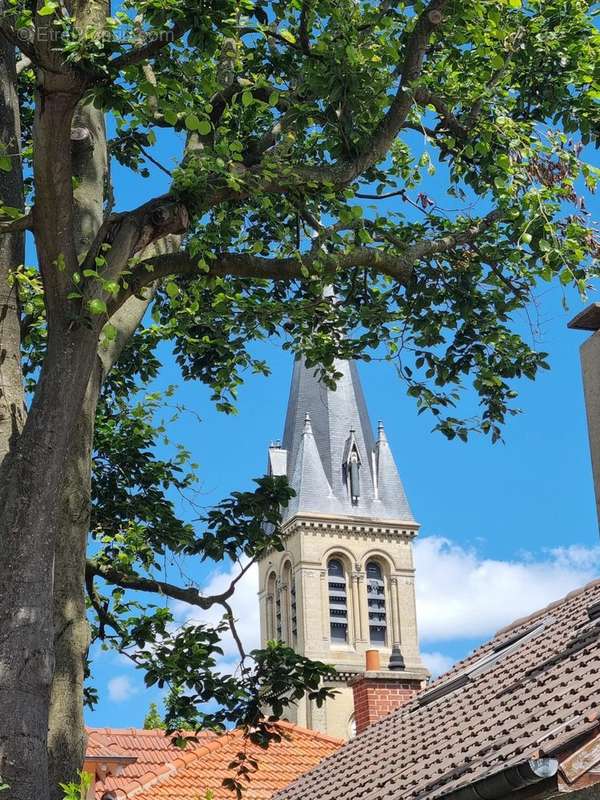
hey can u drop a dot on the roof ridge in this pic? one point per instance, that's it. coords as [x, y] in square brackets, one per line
[126, 731]
[151, 777]
[569, 596]
[130, 731]
[311, 734]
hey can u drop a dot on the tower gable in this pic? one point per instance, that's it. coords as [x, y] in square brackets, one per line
[355, 476]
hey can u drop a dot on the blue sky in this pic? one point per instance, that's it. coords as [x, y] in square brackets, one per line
[506, 528]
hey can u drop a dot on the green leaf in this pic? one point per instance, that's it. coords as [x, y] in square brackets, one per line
[97, 306]
[192, 123]
[565, 277]
[247, 98]
[204, 127]
[288, 36]
[172, 289]
[110, 331]
[47, 9]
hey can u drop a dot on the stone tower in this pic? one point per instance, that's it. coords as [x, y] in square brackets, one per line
[345, 583]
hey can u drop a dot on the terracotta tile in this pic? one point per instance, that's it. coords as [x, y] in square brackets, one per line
[165, 772]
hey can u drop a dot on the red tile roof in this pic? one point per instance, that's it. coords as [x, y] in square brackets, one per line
[169, 773]
[525, 694]
[151, 748]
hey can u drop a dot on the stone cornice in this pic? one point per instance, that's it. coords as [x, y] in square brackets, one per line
[362, 526]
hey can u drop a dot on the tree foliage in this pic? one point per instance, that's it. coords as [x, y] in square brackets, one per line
[352, 178]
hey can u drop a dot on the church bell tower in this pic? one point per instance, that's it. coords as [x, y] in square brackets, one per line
[345, 582]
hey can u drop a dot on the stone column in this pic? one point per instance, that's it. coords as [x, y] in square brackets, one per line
[355, 595]
[364, 607]
[396, 638]
[324, 606]
[300, 595]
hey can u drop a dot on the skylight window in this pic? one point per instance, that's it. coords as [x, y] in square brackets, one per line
[483, 664]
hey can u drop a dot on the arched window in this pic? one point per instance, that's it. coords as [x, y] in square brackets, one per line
[271, 595]
[338, 602]
[376, 603]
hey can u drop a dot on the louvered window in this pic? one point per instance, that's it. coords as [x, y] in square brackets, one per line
[278, 615]
[376, 603]
[294, 615]
[338, 602]
[271, 616]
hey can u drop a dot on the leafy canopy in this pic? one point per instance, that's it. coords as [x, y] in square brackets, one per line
[423, 160]
[357, 178]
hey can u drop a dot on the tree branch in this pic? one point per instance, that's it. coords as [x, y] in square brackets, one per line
[375, 150]
[20, 39]
[104, 617]
[445, 243]
[398, 265]
[140, 583]
[234, 631]
[246, 265]
[425, 97]
[24, 223]
[303, 31]
[150, 48]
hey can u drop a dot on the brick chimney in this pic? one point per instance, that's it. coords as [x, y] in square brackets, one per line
[378, 692]
[589, 320]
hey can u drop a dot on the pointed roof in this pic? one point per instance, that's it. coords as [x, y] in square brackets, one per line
[317, 454]
[309, 479]
[390, 491]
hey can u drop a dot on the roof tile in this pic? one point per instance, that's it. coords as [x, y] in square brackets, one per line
[533, 700]
[164, 772]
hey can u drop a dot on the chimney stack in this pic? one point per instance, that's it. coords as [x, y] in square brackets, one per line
[378, 692]
[589, 320]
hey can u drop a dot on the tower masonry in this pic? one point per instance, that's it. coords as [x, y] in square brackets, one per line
[345, 582]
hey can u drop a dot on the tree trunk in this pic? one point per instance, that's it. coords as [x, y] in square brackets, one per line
[66, 734]
[66, 729]
[31, 478]
[12, 404]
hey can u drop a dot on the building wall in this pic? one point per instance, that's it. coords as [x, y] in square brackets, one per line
[590, 366]
[310, 542]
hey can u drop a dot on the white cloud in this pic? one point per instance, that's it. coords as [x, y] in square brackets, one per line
[461, 594]
[244, 604]
[121, 688]
[437, 663]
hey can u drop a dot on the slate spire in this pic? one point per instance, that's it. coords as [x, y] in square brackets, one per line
[329, 454]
